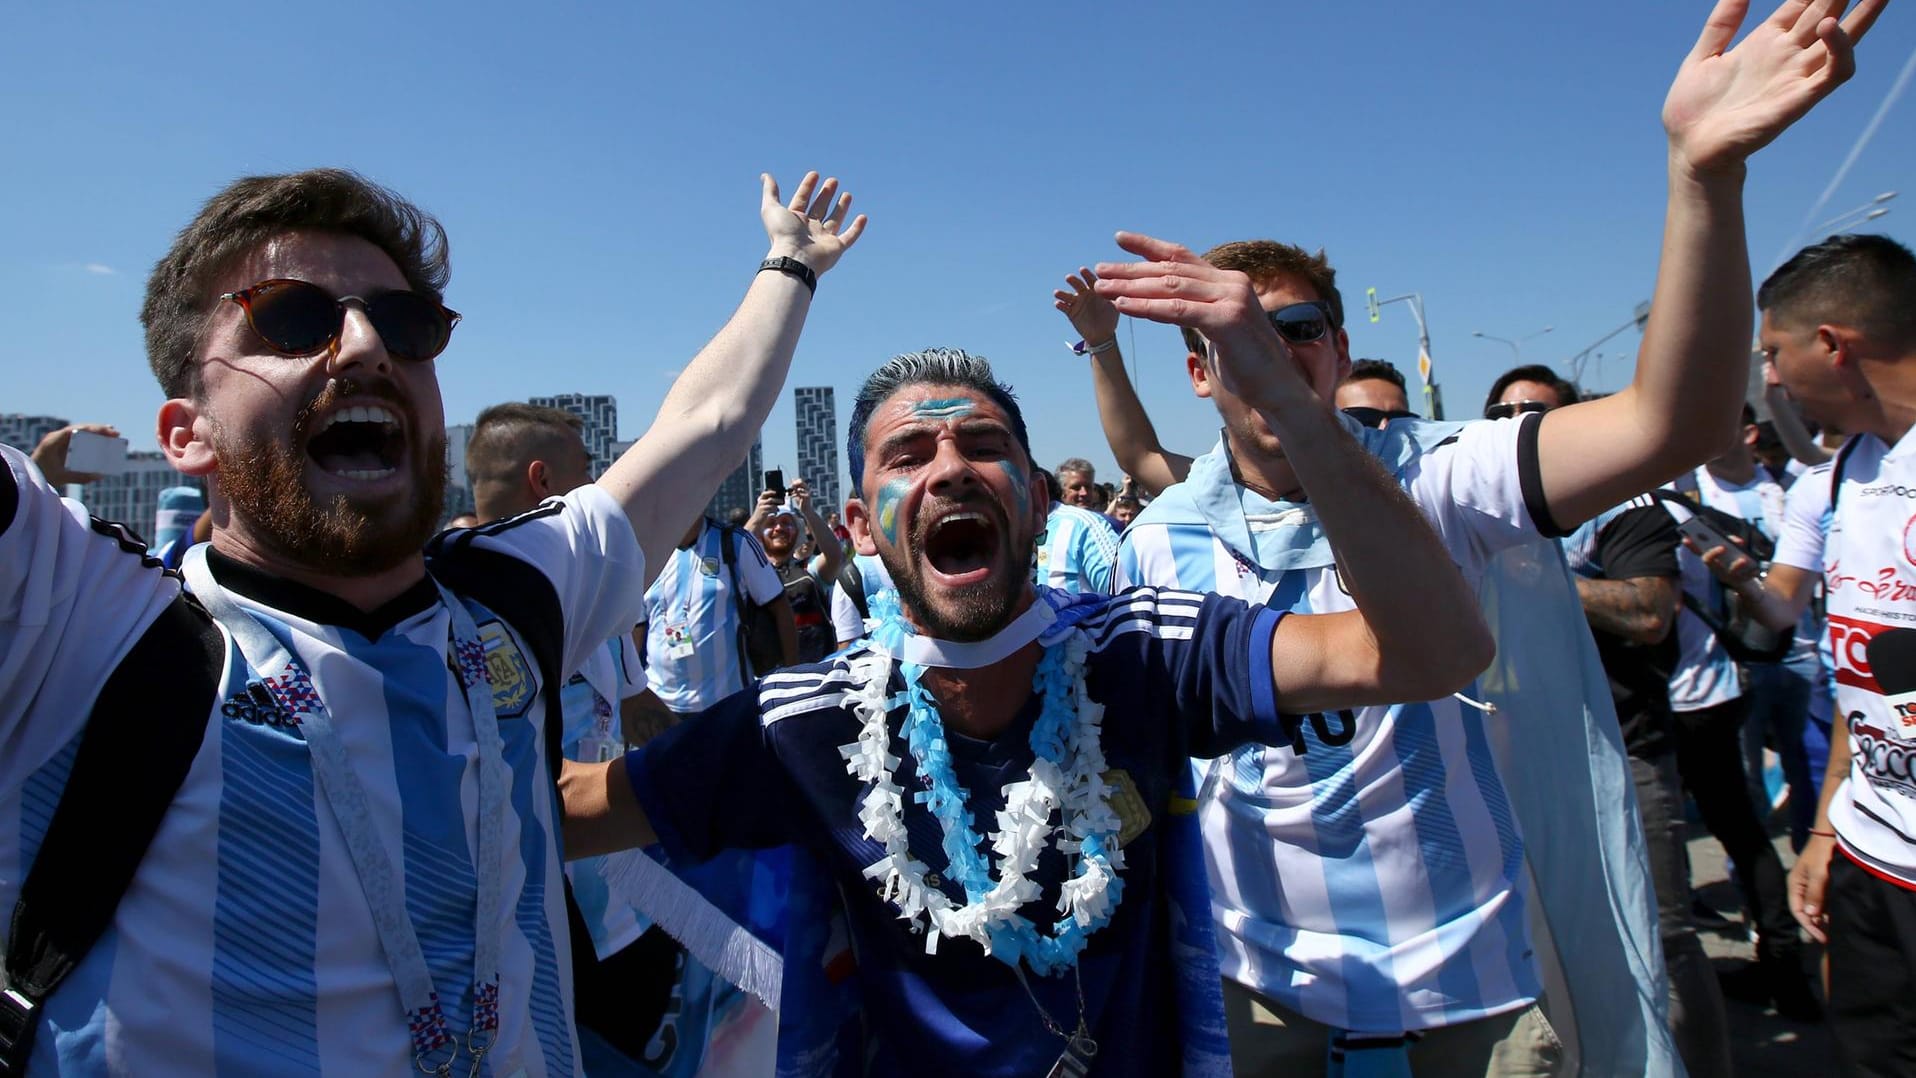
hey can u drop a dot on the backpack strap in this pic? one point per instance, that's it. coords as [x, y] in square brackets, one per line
[728, 552]
[853, 582]
[1836, 470]
[134, 754]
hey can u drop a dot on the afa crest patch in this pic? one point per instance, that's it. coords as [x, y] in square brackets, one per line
[1134, 816]
[512, 681]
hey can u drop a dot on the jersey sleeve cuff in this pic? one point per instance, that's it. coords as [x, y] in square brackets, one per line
[1530, 478]
[1265, 720]
[9, 496]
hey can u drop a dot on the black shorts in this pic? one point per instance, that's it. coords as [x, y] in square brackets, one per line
[1872, 956]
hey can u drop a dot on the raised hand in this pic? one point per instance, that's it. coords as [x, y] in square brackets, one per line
[50, 456]
[1726, 105]
[1178, 288]
[812, 226]
[799, 494]
[1091, 314]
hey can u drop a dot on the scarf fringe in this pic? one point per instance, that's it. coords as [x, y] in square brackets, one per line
[717, 941]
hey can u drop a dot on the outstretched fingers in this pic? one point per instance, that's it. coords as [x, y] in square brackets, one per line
[1861, 18]
[852, 231]
[802, 197]
[1720, 28]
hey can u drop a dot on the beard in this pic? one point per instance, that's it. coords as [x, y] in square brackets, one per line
[264, 481]
[961, 615]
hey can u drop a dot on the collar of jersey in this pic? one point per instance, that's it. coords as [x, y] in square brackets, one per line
[1280, 536]
[1049, 617]
[318, 607]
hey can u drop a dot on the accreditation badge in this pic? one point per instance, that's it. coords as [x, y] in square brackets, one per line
[1134, 816]
[512, 682]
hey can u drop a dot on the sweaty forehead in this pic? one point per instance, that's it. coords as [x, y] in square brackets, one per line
[341, 264]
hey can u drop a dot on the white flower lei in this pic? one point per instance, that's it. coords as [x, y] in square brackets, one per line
[1089, 833]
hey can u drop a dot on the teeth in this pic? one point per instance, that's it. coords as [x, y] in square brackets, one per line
[979, 517]
[367, 473]
[361, 413]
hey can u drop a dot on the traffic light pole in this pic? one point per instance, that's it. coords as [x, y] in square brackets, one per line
[1433, 395]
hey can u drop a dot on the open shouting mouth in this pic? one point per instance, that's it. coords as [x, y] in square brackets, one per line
[364, 442]
[961, 547]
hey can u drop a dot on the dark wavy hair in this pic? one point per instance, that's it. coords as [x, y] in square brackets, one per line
[180, 293]
[933, 367]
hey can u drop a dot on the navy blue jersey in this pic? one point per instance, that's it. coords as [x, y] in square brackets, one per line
[1179, 674]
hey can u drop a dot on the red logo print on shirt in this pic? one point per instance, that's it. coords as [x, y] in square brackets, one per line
[1849, 646]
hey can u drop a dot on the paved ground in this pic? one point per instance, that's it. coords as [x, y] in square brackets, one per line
[1763, 1044]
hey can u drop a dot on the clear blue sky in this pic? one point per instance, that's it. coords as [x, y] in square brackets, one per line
[596, 169]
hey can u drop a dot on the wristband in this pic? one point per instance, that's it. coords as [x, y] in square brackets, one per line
[1083, 349]
[794, 268]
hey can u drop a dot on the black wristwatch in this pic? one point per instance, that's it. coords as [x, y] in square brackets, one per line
[793, 267]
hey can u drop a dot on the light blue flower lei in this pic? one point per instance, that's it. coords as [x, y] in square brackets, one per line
[924, 732]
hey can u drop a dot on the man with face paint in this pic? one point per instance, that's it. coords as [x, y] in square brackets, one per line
[1011, 710]
[1369, 878]
[356, 867]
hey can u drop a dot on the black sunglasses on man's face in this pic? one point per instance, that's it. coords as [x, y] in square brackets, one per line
[1506, 409]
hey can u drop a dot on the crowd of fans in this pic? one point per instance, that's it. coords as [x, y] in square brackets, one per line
[1354, 743]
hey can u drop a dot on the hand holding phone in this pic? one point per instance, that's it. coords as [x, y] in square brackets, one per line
[80, 454]
[96, 454]
[1733, 567]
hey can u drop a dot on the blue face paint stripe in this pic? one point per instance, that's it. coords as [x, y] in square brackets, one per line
[889, 498]
[944, 408]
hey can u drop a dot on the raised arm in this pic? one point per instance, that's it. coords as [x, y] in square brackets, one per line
[1681, 407]
[715, 408]
[831, 553]
[1416, 633]
[1128, 430]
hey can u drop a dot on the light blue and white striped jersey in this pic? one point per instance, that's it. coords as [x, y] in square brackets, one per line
[1370, 875]
[1705, 675]
[691, 633]
[245, 944]
[593, 735]
[1079, 552]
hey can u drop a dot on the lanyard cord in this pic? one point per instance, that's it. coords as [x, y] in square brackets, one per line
[291, 686]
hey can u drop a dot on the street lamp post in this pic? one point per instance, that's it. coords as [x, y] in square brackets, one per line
[1516, 345]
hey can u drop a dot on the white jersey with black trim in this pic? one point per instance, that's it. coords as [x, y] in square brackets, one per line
[1869, 578]
[245, 944]
[1369, 876]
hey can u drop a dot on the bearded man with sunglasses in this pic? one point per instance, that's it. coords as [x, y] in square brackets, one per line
[356, 864]
[1369, 878]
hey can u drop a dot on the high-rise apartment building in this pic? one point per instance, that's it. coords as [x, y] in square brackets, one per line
[133, 497]
[458, 483]
[817, 415]
[23, 432]
[601, 416]
[740, 489]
